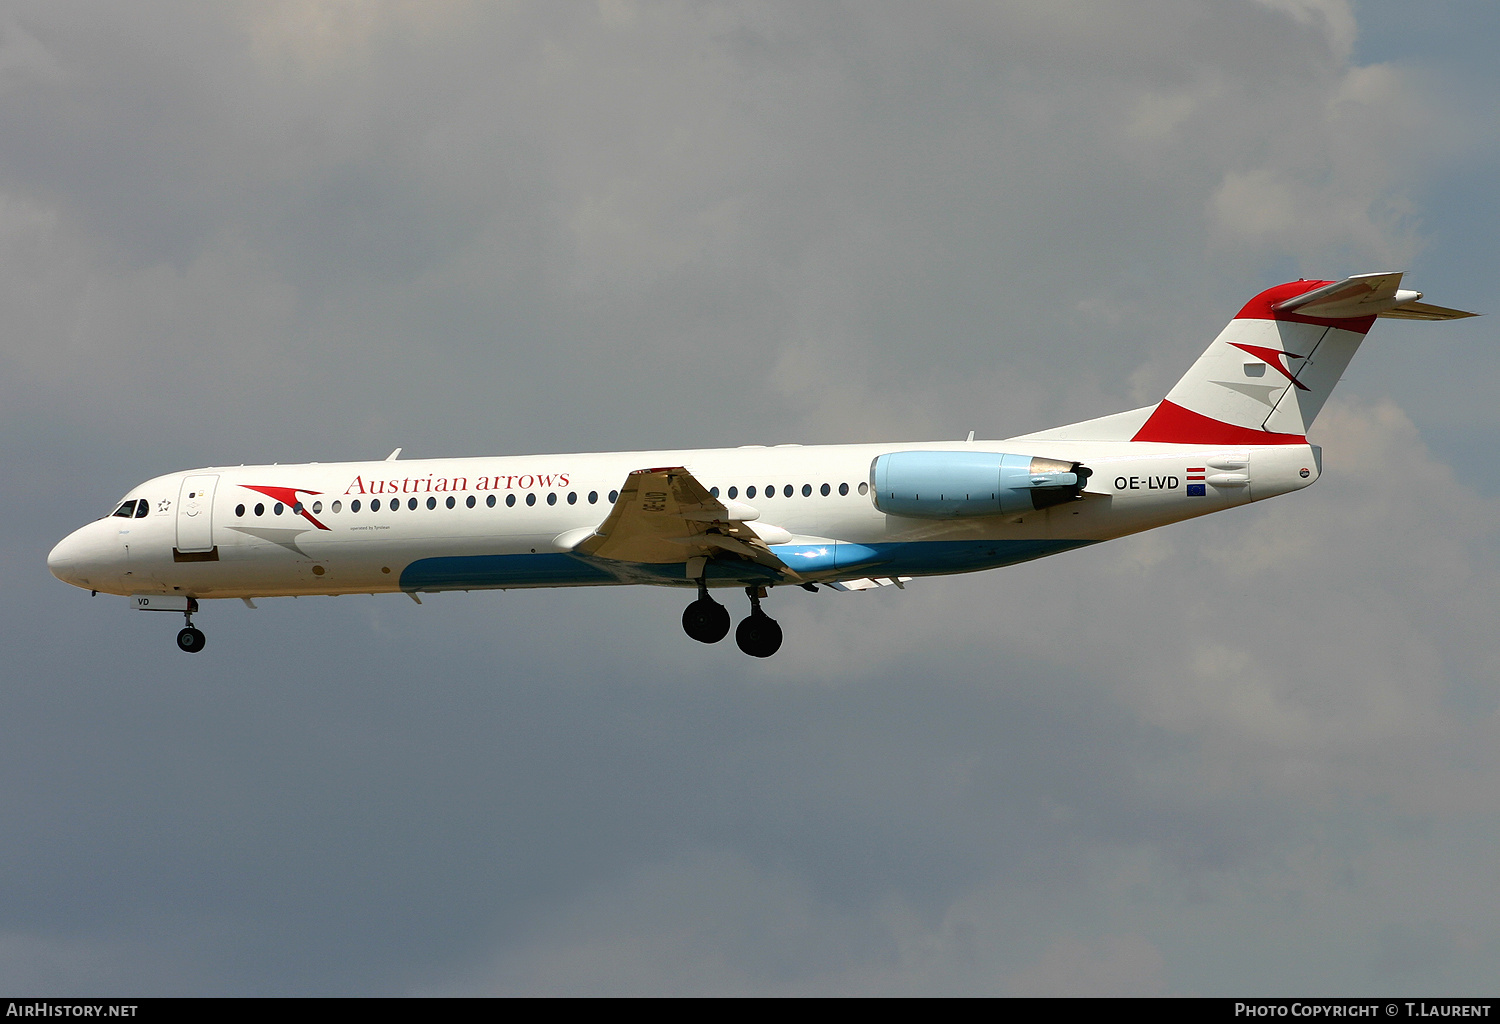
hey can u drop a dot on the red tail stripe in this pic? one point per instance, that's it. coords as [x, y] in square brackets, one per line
[1172, 424]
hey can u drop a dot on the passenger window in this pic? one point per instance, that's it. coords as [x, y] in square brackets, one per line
[593, 497]
[531, 499]
[317, 508]
[770, 491]
[490, 501]
[354, 505]
[336, 507]
[714, 491]
[572, 497]
[450, 502]
[750, 491]
[552, 498]
[807, 490]
[239, 511]
[824, 490]
[260, 509]
[614, 496]
[510, 501]
[278, 509]
[843, 488]
[864, 488]
[411, 503]
[374, 504]
[734, 492]
[469, 501]
[431, 503]
[787, 491]
[297, 508]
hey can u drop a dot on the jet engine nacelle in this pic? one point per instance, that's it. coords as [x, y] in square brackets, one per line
[951, 485]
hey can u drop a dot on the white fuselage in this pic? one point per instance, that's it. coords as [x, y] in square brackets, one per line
[852, 517]
[508, 522]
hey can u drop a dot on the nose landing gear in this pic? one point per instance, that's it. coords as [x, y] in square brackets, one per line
[190, 638]
[758, 634]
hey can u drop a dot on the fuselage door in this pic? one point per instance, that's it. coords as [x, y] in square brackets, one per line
[195, 514]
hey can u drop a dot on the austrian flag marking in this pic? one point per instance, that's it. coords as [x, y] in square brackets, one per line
[1196, 477]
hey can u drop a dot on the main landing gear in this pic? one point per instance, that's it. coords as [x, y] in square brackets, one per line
[190, 638]
[707, 621]
[758, 635]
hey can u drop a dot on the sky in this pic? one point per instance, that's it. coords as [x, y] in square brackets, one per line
[1254, 754]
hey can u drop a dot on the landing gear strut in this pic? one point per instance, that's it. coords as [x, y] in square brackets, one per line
[190, 638]
[758, 634]
[705, 620]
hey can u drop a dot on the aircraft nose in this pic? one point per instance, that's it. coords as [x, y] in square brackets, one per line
[65, 560]
[60, 560]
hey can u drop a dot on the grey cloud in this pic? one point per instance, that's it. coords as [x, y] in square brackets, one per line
[1253, 747]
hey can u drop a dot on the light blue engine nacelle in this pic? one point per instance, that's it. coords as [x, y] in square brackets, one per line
[951, 485]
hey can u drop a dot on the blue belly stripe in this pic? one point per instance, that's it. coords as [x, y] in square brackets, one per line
[475, 572]
[830, 562]
[938, 557]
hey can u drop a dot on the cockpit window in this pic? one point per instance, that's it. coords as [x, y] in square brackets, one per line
[141, 508]
[126, 510]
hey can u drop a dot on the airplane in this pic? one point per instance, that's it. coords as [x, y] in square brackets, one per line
[846, 517]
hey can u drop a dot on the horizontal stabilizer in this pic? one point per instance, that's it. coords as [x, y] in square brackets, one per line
[1423, 311]
[1366, 295]
[1360, 295]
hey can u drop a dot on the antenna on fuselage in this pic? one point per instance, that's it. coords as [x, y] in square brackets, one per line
[392, 456]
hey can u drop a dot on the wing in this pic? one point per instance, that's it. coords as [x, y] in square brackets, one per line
[665, 516]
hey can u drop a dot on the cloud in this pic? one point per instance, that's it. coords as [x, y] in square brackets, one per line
[703, 923]
[1123, 965]
[786, 198]
[1331, 184]
[1254, 746]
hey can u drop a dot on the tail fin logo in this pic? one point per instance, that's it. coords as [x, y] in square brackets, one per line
[1273, 358]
